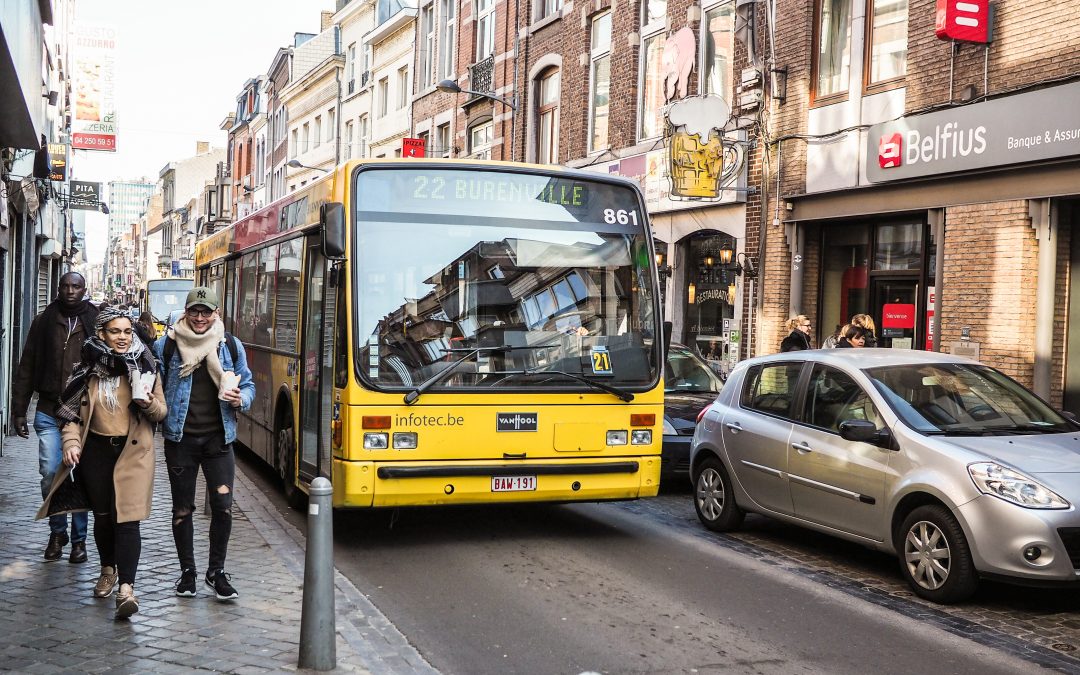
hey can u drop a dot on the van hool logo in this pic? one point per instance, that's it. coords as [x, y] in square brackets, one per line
[515, 421]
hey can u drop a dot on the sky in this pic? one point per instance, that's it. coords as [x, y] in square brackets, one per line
[179, 68]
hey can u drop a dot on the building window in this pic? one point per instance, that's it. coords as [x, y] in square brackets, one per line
[548, 7]
[653, 12]
[447, 15]
[305, 138]
[348, 140]
[442, 141]
[331, 126]
[480, 138]
[350, 68]
[718, 49]
[599, 82]
[832, 48]
[318, 131]
[403, 87]
[652, 89]
[547, 133]
[361, 136]
[383, 96]
[485, 29]
[426, 76]
[425, 139]
[887, 52]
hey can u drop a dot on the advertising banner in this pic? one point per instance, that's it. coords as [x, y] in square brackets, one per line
[94, 126]
[58, 159]
[412, 147]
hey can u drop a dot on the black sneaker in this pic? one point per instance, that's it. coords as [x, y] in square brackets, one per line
[185, 585]
[219, 581]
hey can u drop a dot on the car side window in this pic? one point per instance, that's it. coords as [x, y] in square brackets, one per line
[833, 397]
[771, 388]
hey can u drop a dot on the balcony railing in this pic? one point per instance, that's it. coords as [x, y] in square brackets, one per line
[481, 77]
[352, 86]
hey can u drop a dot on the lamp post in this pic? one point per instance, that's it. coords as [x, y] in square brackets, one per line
[451, 87]
[295, 164]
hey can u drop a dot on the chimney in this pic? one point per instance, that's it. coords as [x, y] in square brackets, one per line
[202, 147]
[326, 19]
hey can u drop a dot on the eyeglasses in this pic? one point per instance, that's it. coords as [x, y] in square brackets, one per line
[195, 313]
[119, 331]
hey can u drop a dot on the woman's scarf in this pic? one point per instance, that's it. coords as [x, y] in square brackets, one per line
[196, 347]
[98, 360]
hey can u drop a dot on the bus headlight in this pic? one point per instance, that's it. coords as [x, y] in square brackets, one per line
[616, 437]
[404, 440]
[376, 441]
[641, 437]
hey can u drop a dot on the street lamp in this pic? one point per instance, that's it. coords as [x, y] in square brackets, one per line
[295, 164]
[451, 87]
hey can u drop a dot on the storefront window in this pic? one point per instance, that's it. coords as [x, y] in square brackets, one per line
[710, 295]
[898, 247]
[844, 276]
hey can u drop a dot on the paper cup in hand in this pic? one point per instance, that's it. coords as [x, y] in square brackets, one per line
[229, 381]
[148, 380]
[138, 389]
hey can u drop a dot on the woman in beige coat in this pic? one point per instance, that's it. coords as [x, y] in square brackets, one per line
[108, 410]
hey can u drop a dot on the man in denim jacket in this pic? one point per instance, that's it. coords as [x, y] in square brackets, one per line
[204, 387]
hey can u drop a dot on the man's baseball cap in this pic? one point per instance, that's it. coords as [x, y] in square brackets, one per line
[201, 295]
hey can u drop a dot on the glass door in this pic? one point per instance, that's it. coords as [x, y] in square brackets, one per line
[894, 304]
[312, 435]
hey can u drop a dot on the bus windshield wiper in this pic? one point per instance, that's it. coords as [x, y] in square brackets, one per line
[615, 391]
[438, 377]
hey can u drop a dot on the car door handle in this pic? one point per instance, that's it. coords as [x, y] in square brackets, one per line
[802, 447]
[734, 427]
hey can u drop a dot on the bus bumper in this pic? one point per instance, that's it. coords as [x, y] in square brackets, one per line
[393, 484]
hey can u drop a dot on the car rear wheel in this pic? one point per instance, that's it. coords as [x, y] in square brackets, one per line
[714, 500]
[934, 556]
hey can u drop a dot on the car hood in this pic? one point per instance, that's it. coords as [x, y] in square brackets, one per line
[685, 406]
[1034, 454]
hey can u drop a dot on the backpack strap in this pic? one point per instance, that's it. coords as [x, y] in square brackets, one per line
[169, 349]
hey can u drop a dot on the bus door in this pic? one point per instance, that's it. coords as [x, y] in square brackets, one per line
[316, 366]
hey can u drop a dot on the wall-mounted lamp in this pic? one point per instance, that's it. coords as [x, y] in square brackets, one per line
[691, 293]
[708, 261]
[731, 294]
[53, 96]
[451, 87]
[746, 267]
[778, 83]
[295, 164]
[726, 254]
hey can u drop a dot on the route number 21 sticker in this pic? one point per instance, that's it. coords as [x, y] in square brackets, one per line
[601, 361]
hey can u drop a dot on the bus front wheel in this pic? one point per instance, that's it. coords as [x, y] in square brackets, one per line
[286, 463]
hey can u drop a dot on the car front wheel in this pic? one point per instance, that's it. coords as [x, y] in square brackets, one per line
[934, 556]
[714, 500]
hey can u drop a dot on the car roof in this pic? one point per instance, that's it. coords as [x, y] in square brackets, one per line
[858, 359]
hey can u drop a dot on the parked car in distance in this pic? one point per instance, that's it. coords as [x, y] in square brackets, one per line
[950, 465]
[689, 386]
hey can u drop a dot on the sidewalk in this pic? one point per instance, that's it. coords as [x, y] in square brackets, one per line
[53, 624]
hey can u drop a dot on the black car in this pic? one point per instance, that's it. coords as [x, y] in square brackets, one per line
[689, 386]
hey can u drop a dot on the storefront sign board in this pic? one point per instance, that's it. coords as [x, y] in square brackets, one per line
[898, 316]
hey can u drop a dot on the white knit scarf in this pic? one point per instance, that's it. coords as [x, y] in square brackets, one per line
[195, 348]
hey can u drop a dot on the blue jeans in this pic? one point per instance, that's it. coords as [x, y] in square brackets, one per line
[50, 457]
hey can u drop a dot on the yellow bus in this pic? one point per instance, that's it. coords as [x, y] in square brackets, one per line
[427, 332]
[163, 296]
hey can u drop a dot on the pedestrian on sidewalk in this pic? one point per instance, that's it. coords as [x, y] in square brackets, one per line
[866, 322]
[144, 328]
[108, 412]
[51, 352]
[206, 381]
[852, 336]
[799, 336]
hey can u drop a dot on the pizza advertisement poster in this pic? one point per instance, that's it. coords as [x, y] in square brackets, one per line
[94, 126]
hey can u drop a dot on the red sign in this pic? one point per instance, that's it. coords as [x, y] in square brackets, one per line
[412, 147]
[81, 141]
[966, 20]
[898, 316]
[890, 149]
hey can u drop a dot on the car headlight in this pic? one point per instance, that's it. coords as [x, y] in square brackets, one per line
[1012, 486]
[669, 428]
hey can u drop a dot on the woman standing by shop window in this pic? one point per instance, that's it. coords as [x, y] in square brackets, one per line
[108, 412]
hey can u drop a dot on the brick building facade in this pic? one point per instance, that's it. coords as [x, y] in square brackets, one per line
[921, 177]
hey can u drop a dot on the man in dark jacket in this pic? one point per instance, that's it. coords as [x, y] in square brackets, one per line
[52, 349]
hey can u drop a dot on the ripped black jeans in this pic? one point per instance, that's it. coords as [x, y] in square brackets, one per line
[183, 459]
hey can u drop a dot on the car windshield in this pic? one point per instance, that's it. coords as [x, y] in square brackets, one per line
[686, 372]
[960, 399]
[527, 279]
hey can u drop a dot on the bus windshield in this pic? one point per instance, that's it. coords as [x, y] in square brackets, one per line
[513, 279]
[165, 295]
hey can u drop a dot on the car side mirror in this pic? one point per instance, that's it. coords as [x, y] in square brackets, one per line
[860, 431]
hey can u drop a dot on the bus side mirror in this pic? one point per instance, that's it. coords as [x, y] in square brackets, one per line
[332, 217]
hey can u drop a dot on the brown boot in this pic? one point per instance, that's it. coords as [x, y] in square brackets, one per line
[55, 549]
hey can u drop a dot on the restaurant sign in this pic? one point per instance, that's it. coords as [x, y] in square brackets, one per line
[1028, 127]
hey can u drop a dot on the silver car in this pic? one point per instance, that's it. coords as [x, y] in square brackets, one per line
[951, 465]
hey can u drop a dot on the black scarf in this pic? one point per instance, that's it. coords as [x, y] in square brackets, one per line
[84, 311]
[98, 360]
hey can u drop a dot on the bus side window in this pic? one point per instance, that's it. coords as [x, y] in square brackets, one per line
[341, 354]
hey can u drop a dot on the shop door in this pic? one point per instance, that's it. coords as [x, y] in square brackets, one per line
[894, 304]
[312, 435]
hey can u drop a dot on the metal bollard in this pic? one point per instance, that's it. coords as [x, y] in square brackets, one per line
[318, 633]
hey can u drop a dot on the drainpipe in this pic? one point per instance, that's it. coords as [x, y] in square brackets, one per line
[797, 246]
[1044, 215]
